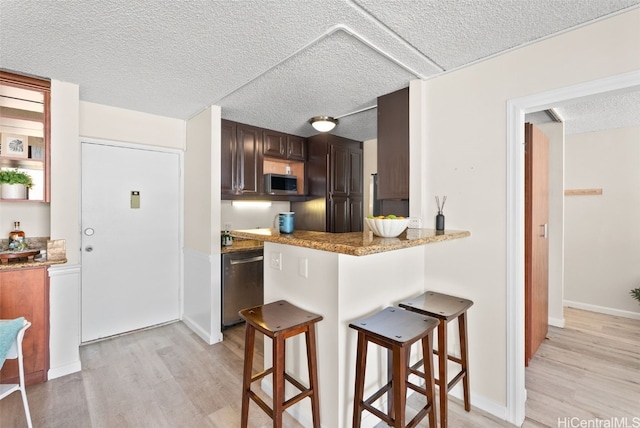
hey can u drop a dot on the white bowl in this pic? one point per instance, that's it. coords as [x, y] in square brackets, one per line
[387, 227]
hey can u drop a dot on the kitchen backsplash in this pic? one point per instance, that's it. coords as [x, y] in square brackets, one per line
[250, 216]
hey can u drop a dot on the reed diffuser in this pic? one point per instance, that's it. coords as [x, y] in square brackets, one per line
[440, 216]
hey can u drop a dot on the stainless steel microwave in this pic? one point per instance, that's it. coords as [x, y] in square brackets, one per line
[278, 184]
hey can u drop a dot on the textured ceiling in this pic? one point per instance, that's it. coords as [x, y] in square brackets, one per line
[598, 113]
[273, 63]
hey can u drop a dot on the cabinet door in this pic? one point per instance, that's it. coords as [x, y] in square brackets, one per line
[355, 172]
[25, 293]
[393, 145]
[296, 148]
[249, 140]
[339, 165]
[228, 158]
[274, 144]
[356, 213]
[339, 221]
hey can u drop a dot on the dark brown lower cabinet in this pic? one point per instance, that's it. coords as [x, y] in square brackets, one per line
[24, 292]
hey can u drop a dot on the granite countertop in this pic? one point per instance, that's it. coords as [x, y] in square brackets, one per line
[240, 244]
[33, 244]
[352, 243]
[23, 264]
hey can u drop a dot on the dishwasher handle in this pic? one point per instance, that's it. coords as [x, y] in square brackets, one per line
[249, 260]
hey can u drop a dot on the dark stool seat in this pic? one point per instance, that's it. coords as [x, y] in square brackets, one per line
[279, 320]
[396, 330]
[446, 308]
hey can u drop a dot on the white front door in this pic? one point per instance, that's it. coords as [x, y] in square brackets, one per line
[130, 239]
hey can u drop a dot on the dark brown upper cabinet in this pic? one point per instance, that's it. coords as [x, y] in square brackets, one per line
[248, 152]
[393, 145]
[284, 146]
[241, 159]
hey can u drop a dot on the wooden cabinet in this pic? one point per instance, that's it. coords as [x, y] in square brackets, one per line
[335, 183]
[25, 293]
[248, 152]
[296, 148]
[25, 130]
[284, 146]
[241, 159]
[393, 146]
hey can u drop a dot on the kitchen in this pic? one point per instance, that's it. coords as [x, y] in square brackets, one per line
[457, 162]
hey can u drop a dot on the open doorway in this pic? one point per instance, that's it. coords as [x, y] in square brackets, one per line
[516, 110]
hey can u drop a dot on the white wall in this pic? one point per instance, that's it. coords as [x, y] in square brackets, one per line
[33, 218]
[251, 216]
[64, 221]
[65, 167]
[202, 282]
[466, 121]
[603, 232]
[555, 132]
[129, 126]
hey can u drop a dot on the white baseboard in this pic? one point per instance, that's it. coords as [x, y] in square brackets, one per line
[369, 420]
[556, 322]
[480, 402]
[67, 369]
[602, 309]
[210, 339]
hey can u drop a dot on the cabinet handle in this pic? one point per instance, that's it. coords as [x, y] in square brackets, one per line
[545, 230]
[249, 260]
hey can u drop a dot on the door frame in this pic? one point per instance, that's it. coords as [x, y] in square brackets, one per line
[180, 153]
[516, 110]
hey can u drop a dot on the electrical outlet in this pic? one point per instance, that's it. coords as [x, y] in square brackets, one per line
[415, 223]
[276, 261]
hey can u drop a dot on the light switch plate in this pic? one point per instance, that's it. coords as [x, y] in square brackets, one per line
[303, 267]
[415, 223]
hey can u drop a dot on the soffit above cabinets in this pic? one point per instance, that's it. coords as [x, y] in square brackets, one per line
[273, 64]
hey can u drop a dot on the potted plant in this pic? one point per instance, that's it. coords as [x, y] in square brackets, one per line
[15, 183]
[635, 293]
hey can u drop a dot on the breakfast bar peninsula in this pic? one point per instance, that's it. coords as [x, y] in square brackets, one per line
[343, 277]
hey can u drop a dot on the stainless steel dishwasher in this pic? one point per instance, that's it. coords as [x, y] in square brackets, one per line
[242, 283]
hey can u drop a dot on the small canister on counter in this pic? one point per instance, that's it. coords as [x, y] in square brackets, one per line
[285, 222]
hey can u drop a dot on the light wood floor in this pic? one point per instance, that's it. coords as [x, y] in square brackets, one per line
[167, 377]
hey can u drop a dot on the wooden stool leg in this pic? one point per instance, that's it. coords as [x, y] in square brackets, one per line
[249, 342]
[462, 330]
[442, 373]
[312, 363]
[399, 385]
[361, 363]
[429, 383]
[278, 379]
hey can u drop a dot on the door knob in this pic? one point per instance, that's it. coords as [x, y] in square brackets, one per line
[88, 248]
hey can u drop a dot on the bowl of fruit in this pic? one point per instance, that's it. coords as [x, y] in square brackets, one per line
[388, 226]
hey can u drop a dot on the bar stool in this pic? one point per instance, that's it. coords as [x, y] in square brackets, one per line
[396, 330]
[279, 320]
[446, 308]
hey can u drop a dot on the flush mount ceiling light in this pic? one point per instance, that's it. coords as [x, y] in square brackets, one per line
[323, 123]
